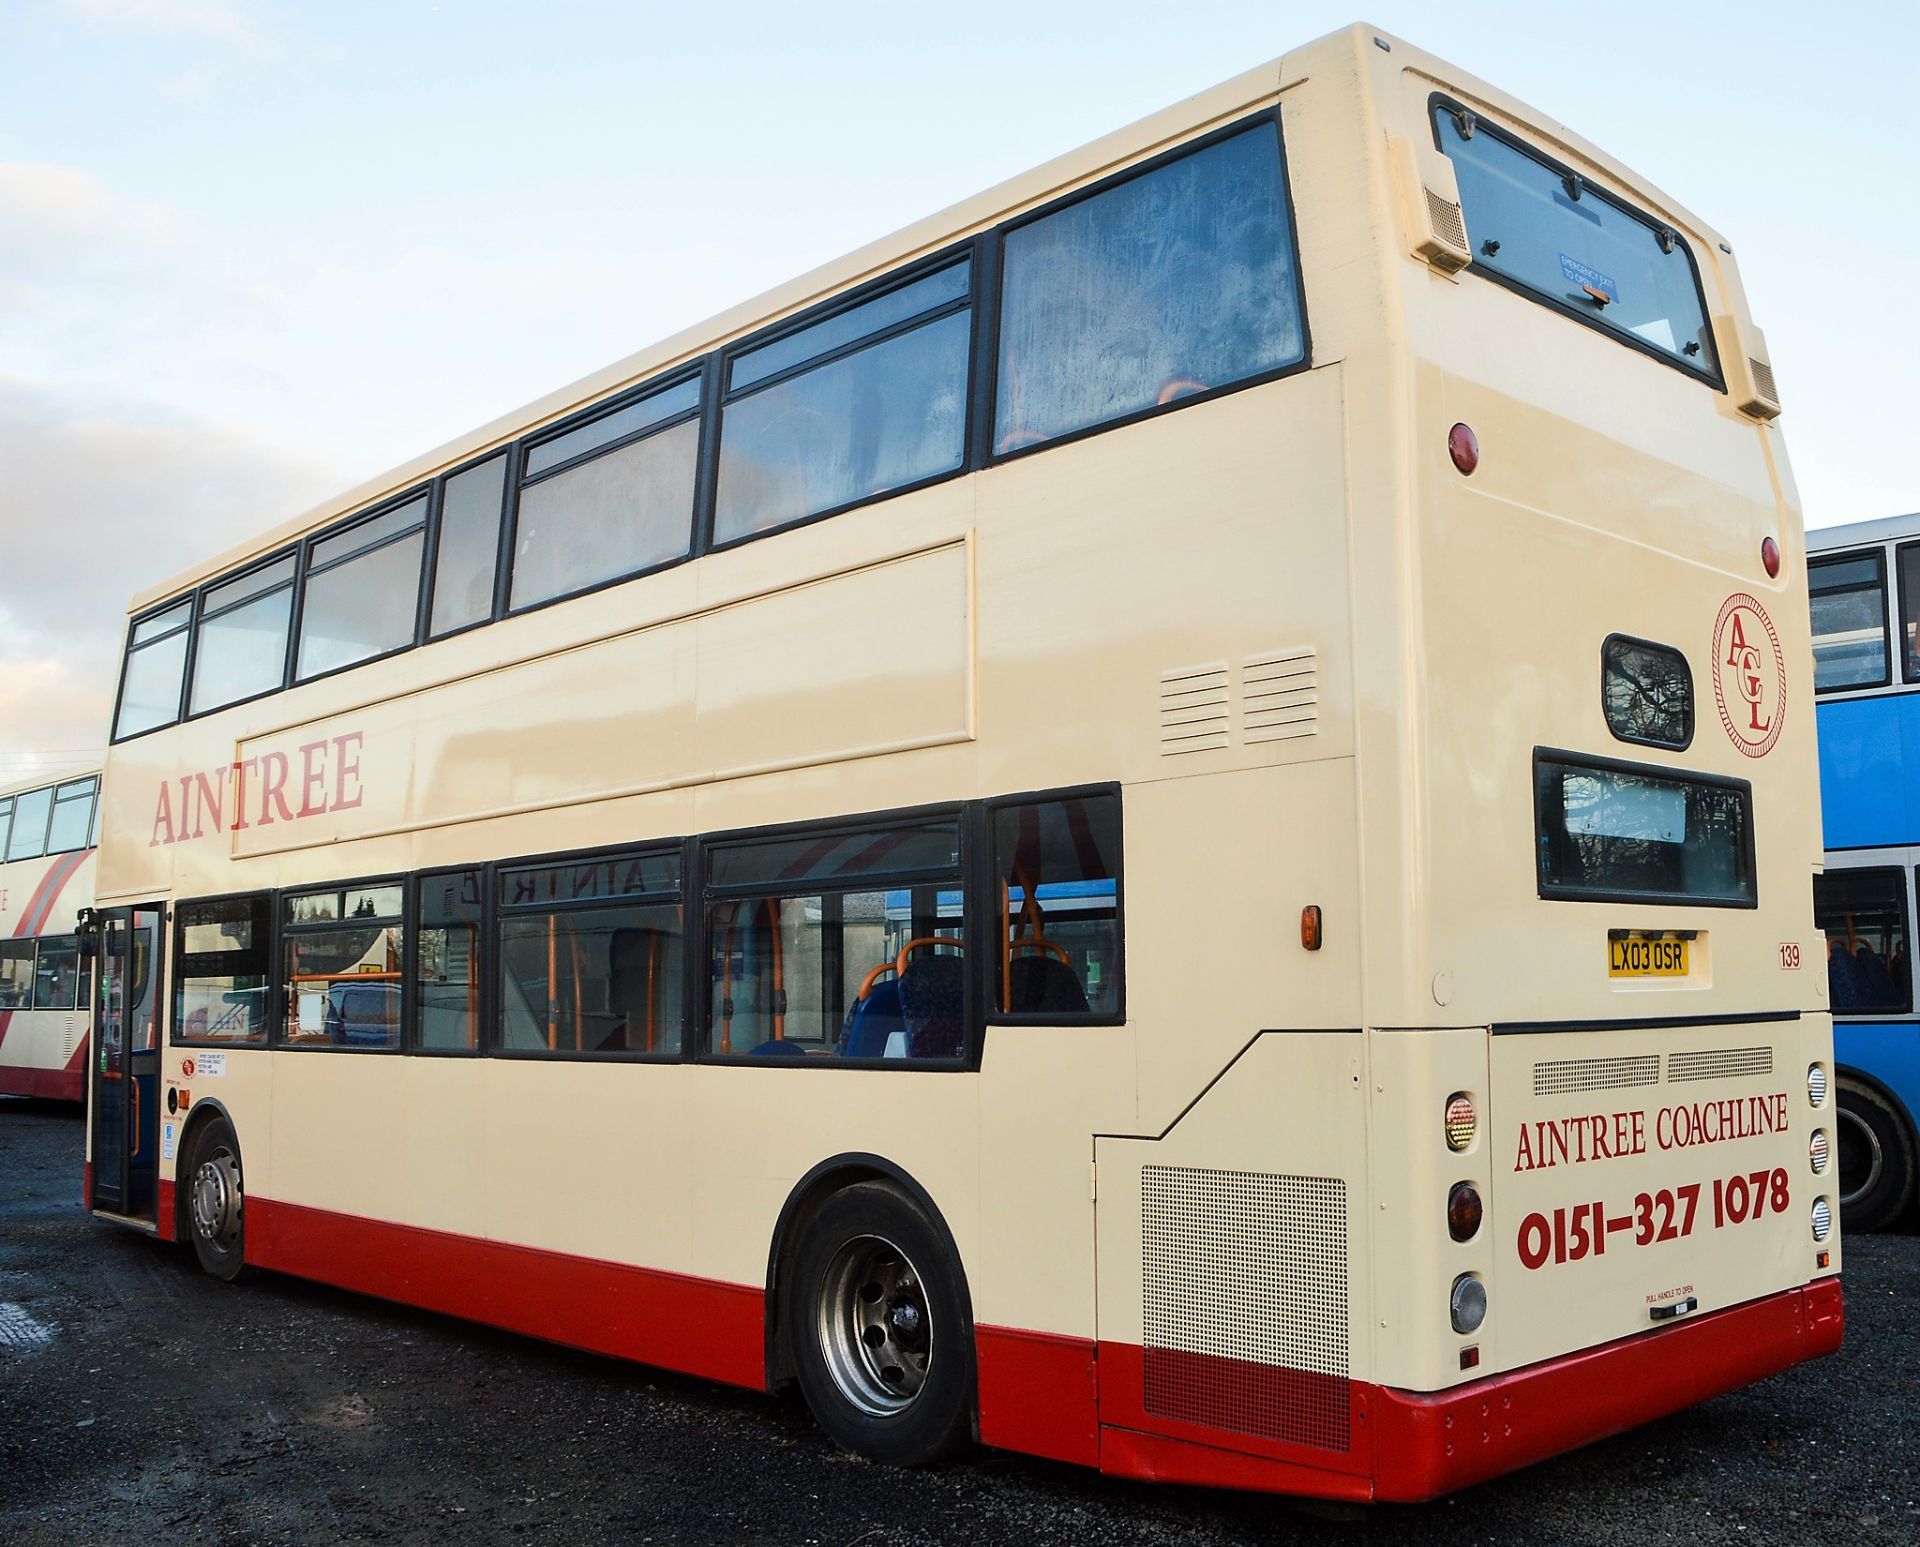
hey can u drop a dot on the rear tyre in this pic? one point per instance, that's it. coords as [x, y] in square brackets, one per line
[216, 1198]
[882, 1345]
[1874, 1155]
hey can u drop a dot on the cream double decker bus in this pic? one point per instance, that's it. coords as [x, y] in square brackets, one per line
[1163, 821]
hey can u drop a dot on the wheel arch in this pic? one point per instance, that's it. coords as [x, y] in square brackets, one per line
[199, 1115]
[1873, 1082]
[829, 1177]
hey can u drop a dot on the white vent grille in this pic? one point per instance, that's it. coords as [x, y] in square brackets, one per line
[1571, 1074]
[1245, 1303]
[1193, 709]
[1720, 1063]
[1449, 224]
[1763, 379]
[1280, 695]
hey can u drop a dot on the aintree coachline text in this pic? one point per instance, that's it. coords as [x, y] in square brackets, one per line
[1571, 1141]
[221, 799]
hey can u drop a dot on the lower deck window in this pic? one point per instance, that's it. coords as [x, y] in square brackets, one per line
[56, 973]
[1863, 914]
[343, 949]
[448, 971]
[1613, 831]
[222, 967]
[1056, 867]
[16, 974]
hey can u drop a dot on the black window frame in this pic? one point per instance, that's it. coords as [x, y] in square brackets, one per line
[518, 480]
[1903, 876]
[487, 949]
[1665, 774]
[981, 251]
[267, 899]
[497, 913]
[967, 253]
[1910, 659]
[1440, 101]
[989, 386]
[990, 905]
[306, 570]
[1693, 717]
[277, 1026]
[201, 617]
[1878, 553]
[964, 879]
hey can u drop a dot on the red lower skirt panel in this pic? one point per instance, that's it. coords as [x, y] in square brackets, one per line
[1410, 1446]
[695, 1325]
[163, 1215]
[68, 1084]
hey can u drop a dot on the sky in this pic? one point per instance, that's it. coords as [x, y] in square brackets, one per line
[255, 251]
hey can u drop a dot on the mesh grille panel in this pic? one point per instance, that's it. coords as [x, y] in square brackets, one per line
[1448, 223]
[1763, 379]
[1569, 1074]
[1245, 1284]
[1720, 1063]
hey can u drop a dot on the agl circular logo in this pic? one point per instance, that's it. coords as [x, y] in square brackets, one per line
[1749, 675]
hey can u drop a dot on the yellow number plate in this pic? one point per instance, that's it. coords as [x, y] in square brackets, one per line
[1638, 956]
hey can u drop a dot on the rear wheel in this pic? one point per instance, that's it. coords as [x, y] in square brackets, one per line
[1875, 1158]
[881, 1345]
[216, 1198]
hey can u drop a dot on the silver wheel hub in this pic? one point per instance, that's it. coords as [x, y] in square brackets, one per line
[215, 1200]
[874, 1326]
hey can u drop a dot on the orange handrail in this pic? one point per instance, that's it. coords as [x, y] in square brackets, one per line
[900, 961]
[553, 1001]
[1035, 943]
[866, 983]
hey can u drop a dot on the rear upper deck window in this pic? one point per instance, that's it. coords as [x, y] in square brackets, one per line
[1543, 229]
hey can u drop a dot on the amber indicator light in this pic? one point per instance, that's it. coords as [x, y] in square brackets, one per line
[1310, 926]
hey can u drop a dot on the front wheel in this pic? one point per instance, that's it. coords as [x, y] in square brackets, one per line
[1876, 1160]
[881, 1343]
[216, 1198]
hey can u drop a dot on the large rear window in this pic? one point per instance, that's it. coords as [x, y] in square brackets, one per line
[1541, 228]
[1608, 831]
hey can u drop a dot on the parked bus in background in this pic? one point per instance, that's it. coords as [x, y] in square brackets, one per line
[48, 830]
[1163, 821]
[1865, 585]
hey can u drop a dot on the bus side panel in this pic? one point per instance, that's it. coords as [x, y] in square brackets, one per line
[1235, 1257]
[1866, 747]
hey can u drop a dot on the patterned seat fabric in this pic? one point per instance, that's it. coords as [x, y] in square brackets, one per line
[933, 996]
[1044, 985]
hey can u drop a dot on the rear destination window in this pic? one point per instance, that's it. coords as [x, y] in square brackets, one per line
[1543, 229]
[1608, 831]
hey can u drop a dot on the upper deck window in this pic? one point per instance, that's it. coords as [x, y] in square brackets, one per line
[156, 660]
[361, 594]
[468, 549]
[240, 646]
[1909, 565]
[28, 840]
[72, 824]
[1849, 596]
[868, 400]
[608, 498]
[1177, 281]
[1545, 230]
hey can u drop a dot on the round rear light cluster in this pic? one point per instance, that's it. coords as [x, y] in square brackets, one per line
[1770, 557]
[1463, 1211]
[1817, 1151]
[1822, 1218]
[1464, 447]
[1467, 1305]
[1817, 1084]
[1462, 1120]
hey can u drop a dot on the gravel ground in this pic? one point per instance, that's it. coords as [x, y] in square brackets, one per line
[142, 1401]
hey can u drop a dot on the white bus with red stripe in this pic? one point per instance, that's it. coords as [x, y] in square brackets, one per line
[1014, 835]
[47, 838]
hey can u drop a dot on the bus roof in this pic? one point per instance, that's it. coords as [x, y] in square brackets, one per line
[1217, 104]
[1859, 533]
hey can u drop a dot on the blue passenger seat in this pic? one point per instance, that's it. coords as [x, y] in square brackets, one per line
[871, 1021]
[933, 995]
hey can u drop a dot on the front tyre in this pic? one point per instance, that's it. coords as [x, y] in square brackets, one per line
[1875, 1157]
[876, 1319]
[216, 1199]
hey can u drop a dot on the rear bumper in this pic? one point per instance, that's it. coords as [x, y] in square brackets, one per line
[1412, 1446]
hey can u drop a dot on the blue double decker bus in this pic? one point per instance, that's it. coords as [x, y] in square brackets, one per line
[1864, 581]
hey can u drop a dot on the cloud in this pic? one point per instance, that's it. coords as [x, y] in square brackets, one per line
[101, 501]
[207, 19]
[53, 217]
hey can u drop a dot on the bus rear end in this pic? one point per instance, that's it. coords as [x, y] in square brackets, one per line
[1612, 1122]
